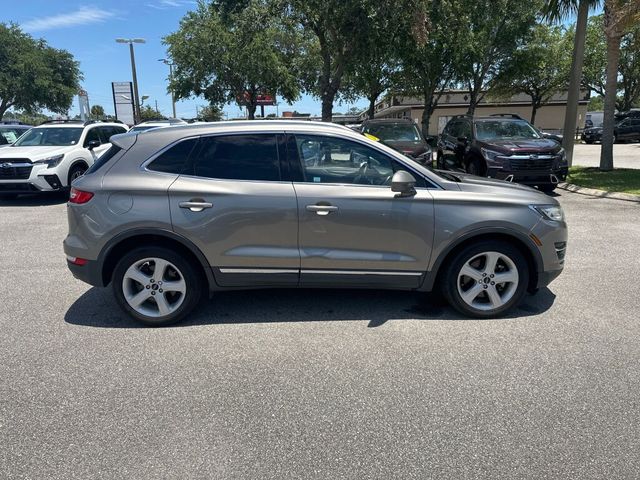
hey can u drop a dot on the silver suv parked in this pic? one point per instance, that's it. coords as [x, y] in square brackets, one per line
[169, 215]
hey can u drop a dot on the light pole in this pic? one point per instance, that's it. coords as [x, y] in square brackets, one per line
[136, 105]
[173, 97]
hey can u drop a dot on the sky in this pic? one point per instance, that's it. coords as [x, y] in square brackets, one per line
[88, 30]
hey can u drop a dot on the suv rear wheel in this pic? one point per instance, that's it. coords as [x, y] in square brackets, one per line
[486, 279]
[477, 167]
[156, 286]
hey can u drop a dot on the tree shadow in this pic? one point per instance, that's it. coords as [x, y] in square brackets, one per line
[98, 308]
[36, 200]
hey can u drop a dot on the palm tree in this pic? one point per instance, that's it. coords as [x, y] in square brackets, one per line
[557, 10]
[619, 16]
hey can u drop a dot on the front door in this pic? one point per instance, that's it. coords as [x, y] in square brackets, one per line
[231, 202]
[353, 228]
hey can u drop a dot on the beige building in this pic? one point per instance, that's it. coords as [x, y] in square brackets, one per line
[455, 102]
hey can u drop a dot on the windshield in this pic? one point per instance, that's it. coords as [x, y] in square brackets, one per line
[503, 130]
[142, 128]
[396, 132]
[50, 137]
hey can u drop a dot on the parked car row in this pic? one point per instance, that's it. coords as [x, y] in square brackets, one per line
[626, 129]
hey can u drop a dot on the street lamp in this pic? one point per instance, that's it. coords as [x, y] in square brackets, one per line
[173, 97]
[136, 105]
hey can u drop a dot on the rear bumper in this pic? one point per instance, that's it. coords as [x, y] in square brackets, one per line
[90, 272]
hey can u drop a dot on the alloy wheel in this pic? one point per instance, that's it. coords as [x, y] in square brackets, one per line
[488, 281]
[154, 287]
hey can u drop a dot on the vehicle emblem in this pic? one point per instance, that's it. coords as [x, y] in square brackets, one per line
[5, 165]
[533, 156]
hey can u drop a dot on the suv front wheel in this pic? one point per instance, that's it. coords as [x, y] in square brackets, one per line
[486, 279]
[156, 286]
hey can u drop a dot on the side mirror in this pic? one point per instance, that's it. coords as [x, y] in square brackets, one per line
[403, 183]
[93, 144]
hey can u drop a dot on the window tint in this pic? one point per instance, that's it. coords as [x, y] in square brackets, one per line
[453, 128]
[103, 160]
[335, 160]
[237, 157]
[92, 135]
[174, 159]
[465, 130]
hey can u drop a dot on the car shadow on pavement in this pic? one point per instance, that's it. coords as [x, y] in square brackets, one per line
[39, 200]
[97, 307]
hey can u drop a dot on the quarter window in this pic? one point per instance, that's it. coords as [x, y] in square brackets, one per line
[175, 158]
[92, 135]
[237, 157]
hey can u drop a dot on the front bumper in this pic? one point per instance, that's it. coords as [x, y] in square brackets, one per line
[591, 136]
[529, 177]
[553, 237]
[45, 182]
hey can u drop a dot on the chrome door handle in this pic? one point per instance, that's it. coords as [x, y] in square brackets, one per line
[322, 209]
[195, 206]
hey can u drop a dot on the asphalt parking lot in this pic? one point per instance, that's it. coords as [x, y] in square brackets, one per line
[322, 384]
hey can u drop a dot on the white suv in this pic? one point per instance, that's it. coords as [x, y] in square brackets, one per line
[49, 157]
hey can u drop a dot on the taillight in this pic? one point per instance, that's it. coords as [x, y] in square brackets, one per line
[79, 196]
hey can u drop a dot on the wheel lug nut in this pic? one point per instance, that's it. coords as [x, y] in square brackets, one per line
[153, 293]
[484, 274]
[491, 275]
[148, 287]
[152, 280]
[492, 283]
[160, 290]
[485, 287]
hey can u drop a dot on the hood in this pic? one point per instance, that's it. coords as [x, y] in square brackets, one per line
[411, 148]
[525, 145]
[33, 153]
[500, 188]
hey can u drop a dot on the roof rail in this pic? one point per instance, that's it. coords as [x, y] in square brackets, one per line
[508, 115]
[61, 121]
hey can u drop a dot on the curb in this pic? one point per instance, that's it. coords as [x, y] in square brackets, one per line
[570, 187]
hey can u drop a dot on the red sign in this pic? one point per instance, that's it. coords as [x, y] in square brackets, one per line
[260, 99]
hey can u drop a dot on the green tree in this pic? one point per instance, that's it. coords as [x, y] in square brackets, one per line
[427, 55]
[596, 104]
[148, 113]
[595, 56]
[559, 11]
[539, 68]
[619, 17]
[493, 30]
[211, 113]
[34, 75]
[630, 70]
[228, 55]
[97, 112]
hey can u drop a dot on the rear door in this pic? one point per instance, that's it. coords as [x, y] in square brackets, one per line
[232, 202]
[353, 229]
[95, 133]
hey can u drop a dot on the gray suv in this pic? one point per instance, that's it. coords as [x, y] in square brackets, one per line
[170, 215]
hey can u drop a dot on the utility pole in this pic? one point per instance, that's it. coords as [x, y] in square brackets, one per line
[136, 103]
[173, 96]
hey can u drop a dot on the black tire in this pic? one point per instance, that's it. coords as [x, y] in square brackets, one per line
[547, 188]
[188, 271]
[440, 161]
[588, 142]
[450, 278]
[476, 166]
[76, 172]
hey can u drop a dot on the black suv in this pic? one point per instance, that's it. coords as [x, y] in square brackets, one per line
[627, 128]
[402, 135]
[506, 147]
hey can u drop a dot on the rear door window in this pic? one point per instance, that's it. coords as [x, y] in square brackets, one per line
[237, 157]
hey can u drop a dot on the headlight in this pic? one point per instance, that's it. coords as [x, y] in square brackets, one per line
[562, 156]
[551, 212]
[491, 155]
[50, 162]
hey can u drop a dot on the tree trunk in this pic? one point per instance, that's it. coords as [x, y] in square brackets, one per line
[2, 111]
[372, 107]
[472, 102]
[535, 104]
[573, 95]
[608, 122]
[327, 106]
[251, 111]
[429, 107]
